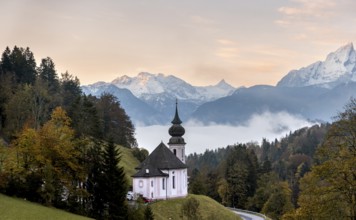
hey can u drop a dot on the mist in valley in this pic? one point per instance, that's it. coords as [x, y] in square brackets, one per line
[200, 137]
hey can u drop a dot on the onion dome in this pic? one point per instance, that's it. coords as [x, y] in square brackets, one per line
[176, 130]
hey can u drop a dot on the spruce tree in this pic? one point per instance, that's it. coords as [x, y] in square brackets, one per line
[148, 214]
[115, 183]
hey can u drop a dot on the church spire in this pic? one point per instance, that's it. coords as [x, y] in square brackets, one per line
[176, 142]
[176, 120]
[176, 130]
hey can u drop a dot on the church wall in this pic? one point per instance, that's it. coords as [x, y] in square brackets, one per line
[141, 186]
[179, 151]
[152, 187]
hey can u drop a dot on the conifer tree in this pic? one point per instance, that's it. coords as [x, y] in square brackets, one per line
[115, 185]
[148, 214]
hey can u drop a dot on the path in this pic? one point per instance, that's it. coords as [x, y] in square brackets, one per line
[246, 215]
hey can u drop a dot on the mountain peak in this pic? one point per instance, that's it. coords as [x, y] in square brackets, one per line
[224, 85]
[338, 67]
[222, 82]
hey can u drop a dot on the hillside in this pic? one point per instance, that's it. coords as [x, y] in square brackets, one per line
[128, 161]
[209, 208]
[12, 208]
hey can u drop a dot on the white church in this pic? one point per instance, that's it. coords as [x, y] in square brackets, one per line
[164, 174]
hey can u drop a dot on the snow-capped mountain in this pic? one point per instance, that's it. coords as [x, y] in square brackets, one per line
[159, 92]
[315, 92]
[132, 105]
[339, 67]
[145, 85]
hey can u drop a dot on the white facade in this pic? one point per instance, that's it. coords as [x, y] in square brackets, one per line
[164, 174]
[163, 187]
[178, 150]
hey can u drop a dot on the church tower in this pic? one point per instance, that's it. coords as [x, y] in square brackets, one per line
[176, 142]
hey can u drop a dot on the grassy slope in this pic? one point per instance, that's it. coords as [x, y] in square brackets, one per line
[209, 209]
[18, 209]
[129, 162]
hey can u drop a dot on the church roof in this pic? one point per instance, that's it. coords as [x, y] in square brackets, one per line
[160, 159]
[149, 171]
[176, 120]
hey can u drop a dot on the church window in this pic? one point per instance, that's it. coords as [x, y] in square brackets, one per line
[140, 183]
[151, 183]
[173, 182]
[175, 152]
[163, 183]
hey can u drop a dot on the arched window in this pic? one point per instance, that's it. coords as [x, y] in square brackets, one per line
[175, 152]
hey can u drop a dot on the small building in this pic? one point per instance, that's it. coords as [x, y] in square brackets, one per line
[164, 174]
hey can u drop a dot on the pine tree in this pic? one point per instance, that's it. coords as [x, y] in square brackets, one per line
[148, 213]
[115, 183]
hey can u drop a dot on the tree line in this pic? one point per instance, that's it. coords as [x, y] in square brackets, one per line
[57, 145]
[308, 174]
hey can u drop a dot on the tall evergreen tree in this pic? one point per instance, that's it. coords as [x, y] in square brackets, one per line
[70, 89]
[148, 214]
[115, 185]
[95, 183]
[23, 65]
[47, 73]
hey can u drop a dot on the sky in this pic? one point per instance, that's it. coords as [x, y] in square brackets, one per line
[201, 41]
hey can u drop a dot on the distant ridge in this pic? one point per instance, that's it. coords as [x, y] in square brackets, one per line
[148, 98]
[316, 92]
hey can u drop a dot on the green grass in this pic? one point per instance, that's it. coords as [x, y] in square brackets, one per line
[129, 162]
[18, 209]
[208, 208]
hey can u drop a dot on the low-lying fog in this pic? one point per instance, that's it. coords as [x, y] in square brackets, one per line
[200, 137]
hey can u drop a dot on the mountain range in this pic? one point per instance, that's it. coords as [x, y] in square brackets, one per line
[315, 92]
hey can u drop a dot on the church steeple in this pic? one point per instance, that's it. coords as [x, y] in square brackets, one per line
[176, 142]
[176, 130]
[176, 119]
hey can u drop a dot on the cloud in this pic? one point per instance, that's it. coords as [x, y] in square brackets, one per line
[315, 8]
[227, 52]
[326, 22]
[227, 49]
[199, 137]
[226, 42]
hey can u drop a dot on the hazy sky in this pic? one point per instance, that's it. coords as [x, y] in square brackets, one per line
[201, 41]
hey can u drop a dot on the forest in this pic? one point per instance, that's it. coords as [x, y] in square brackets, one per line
[57, 147]
[308, 174]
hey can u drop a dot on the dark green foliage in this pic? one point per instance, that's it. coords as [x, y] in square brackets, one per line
[140, 153]
[197, 183]
[241, 168]
[115, 183]
[251, 177]
[148, 214]
[137, 212]
[96, 181]
[57, 163]
[21, 63]
[85, 119]
[115, 123]
[47, 73]
[70, 89]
